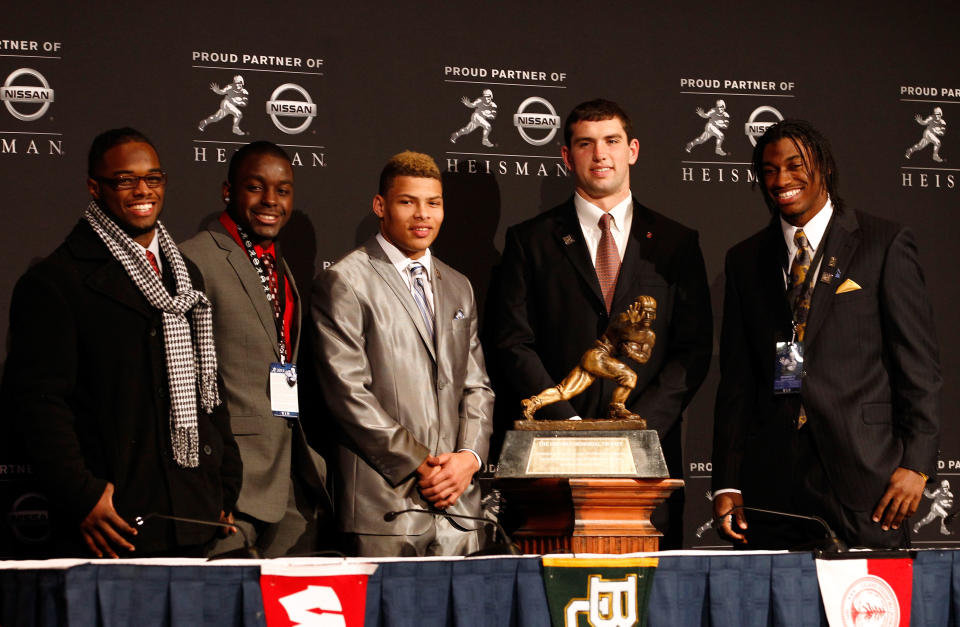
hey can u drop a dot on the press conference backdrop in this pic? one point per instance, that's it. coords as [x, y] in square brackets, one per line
[343, 86]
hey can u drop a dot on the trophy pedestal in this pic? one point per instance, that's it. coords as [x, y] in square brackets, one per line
[586, 514]
[584, 490]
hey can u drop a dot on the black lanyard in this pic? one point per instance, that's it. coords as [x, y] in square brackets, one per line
[265, 283]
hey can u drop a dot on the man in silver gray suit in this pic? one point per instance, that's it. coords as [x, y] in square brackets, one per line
[402, 373]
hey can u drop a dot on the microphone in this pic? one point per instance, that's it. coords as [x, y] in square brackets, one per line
[499, 548]
[247, 551]
[833, 543]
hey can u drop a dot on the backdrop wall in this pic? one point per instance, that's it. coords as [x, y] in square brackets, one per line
[345, 85]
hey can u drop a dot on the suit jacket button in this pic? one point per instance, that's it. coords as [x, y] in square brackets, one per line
[206, 449]
[441, 385]
[153, 332]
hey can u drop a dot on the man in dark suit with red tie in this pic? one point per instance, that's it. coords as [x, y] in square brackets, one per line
[854, 439]
[568, 270]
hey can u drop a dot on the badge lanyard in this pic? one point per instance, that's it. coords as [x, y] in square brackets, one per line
[265, 283]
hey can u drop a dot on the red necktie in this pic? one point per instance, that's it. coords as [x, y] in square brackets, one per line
[153, 262]
[608, 261]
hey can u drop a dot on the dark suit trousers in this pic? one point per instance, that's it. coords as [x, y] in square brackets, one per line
[811, 493]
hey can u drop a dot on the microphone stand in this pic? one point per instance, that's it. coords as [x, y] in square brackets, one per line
[498, 548]
[248, 551]
[833, 543]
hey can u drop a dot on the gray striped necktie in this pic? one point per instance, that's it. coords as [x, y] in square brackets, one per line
[417, 277]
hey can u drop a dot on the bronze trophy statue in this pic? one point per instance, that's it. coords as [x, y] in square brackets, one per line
[589, 485]
[629, 334]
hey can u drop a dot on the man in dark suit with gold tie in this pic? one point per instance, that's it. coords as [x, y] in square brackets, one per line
[854, 439]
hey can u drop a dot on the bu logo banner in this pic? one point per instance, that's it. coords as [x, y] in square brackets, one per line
[315, 596]
[598, 592]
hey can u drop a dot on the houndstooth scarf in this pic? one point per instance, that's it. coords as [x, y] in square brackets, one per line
[184, 376]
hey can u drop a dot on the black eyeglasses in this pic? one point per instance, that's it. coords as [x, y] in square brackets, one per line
[129, 181]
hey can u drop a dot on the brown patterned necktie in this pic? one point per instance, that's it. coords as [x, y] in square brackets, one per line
[608, 261]
[799, 295]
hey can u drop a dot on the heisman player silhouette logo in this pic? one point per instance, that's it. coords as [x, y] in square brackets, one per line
[235, 96]
[934, 128]
[717, 120]
[484, 112]
[940, 508]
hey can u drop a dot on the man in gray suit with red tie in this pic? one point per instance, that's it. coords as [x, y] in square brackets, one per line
[854, 438]
[402, 373]
[256, 318]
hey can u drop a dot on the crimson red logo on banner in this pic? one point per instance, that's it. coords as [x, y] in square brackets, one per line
[873, 591]
[322, 601]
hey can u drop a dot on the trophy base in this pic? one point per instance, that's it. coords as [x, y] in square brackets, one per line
[627, 453]
[589, 424]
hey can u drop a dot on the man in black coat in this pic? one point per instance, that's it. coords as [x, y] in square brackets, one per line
[568, 270]
[854, 439]
[111, 374]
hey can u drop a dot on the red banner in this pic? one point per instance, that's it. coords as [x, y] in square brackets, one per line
[315, 596]
[866, 591]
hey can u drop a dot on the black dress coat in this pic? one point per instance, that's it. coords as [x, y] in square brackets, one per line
[87, 393]
[550, 310]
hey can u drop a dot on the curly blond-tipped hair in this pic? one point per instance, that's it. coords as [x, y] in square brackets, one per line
[407, 163]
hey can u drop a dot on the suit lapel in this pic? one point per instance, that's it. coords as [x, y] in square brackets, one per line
[638, 248]
[239, 260]
[388, 273]
[441, 315]
[842, 242]
[772, 285]
[569, 237]
[110, 279]
[295, 331]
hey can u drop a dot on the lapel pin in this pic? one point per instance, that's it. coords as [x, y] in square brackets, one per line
[568, 239]
[459, 315]
[649, 235]
[832, 263]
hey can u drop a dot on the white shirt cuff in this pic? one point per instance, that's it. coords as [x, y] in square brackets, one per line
[733, 490]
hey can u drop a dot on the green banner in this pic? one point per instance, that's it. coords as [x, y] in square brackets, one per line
[598, 592]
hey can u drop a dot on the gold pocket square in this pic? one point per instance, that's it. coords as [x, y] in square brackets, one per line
[848, 286]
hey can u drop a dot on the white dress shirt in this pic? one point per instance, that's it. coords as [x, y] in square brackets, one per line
[814, 230]
[589, 216]
[402, 263]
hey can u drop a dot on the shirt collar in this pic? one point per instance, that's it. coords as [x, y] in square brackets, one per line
[231, 226]
[589, 213]
[400, 261]
[814, 229]
[154, 247]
